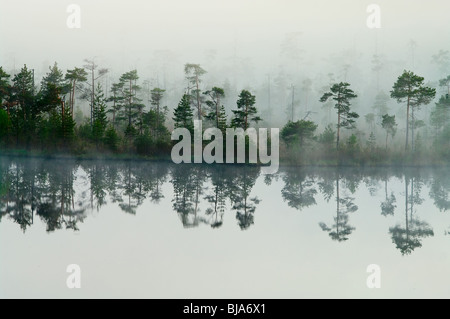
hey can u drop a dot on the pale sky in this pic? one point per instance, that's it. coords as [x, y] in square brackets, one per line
[130, 31]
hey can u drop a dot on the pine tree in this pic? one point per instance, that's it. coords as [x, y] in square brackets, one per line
[409, 88]
[193, 74]
[389, 124]
[99, 115]
[216, 112]
[183, 116]
[342, 94]
[246, 112]
[75, 77]
[157, 95]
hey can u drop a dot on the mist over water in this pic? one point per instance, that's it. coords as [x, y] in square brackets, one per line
[299, 233]
[155, 229]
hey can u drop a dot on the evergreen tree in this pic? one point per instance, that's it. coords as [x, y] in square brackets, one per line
[4, 86]
[24, 113]
[99, 113]
[157, 95]
[131, 107]
[298, 132]
[246, 111]
[117, 98]
[75, 78]
[183, 116]
[193, 74]
[342, 94]
[409, 88]
[390, 126]
[216, 111]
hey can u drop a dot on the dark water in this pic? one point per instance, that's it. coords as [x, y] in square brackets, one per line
[157, 230]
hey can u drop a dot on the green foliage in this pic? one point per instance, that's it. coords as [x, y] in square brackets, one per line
[410, 88]
[144, 144]
[342, 94]
[183, 116]
[328, 136]
[216, 112]
[246, 112]
[389, 125]
[111, 139]
[100, 121]
[298, 132]
[4, 126]
[5, 87]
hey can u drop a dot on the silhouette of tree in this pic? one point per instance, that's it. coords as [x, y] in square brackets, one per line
[409, 237]
[299, 190]
[341, 229]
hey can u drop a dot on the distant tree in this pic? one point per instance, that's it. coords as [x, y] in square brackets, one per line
[4, 86]
[193, 74]
[409, 87]
[246, 111]
[24, 114]
[371, 142]
[75, 77]
[342, 94]
[132, 108]
[4, 125]
[445, 82]
[442, 60]
[117, 99]
[328, 136]
[100, 119]
[157, 95]
[5, 90]
[390, 126]
[380, 105]
[440, 115]
[370, 120]
[216, 111]
[298, 132]
[183, 116]
[111, 138]
[95, 74]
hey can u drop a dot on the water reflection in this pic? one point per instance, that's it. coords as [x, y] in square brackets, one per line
[341, 228]
[408, 237]
[63, 193]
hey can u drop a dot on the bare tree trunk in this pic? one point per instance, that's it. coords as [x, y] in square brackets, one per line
[199, 108]
[407, 125]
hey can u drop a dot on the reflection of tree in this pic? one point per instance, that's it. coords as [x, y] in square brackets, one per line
[56, 205]
[217, 195]
[19, 199]
[388, 206]
[299, 190]
[341, 229]
[409, 237]
[187, 184]
[326, 186]
[240, 186]
[41, 187]
[97, 172]
[440, 190]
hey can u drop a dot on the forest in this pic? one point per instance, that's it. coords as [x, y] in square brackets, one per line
[72, 113]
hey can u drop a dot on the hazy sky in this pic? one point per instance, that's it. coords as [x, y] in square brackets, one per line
[128, 32]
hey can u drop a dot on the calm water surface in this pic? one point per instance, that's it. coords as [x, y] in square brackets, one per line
[157, 230]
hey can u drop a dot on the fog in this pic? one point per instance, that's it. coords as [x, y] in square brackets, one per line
[258, 45]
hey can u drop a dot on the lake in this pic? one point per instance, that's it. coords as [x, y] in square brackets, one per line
[160, 230]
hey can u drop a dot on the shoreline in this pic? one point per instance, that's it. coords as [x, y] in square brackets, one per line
[166, 159]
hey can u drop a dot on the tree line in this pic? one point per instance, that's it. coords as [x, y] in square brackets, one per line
[46, 117]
